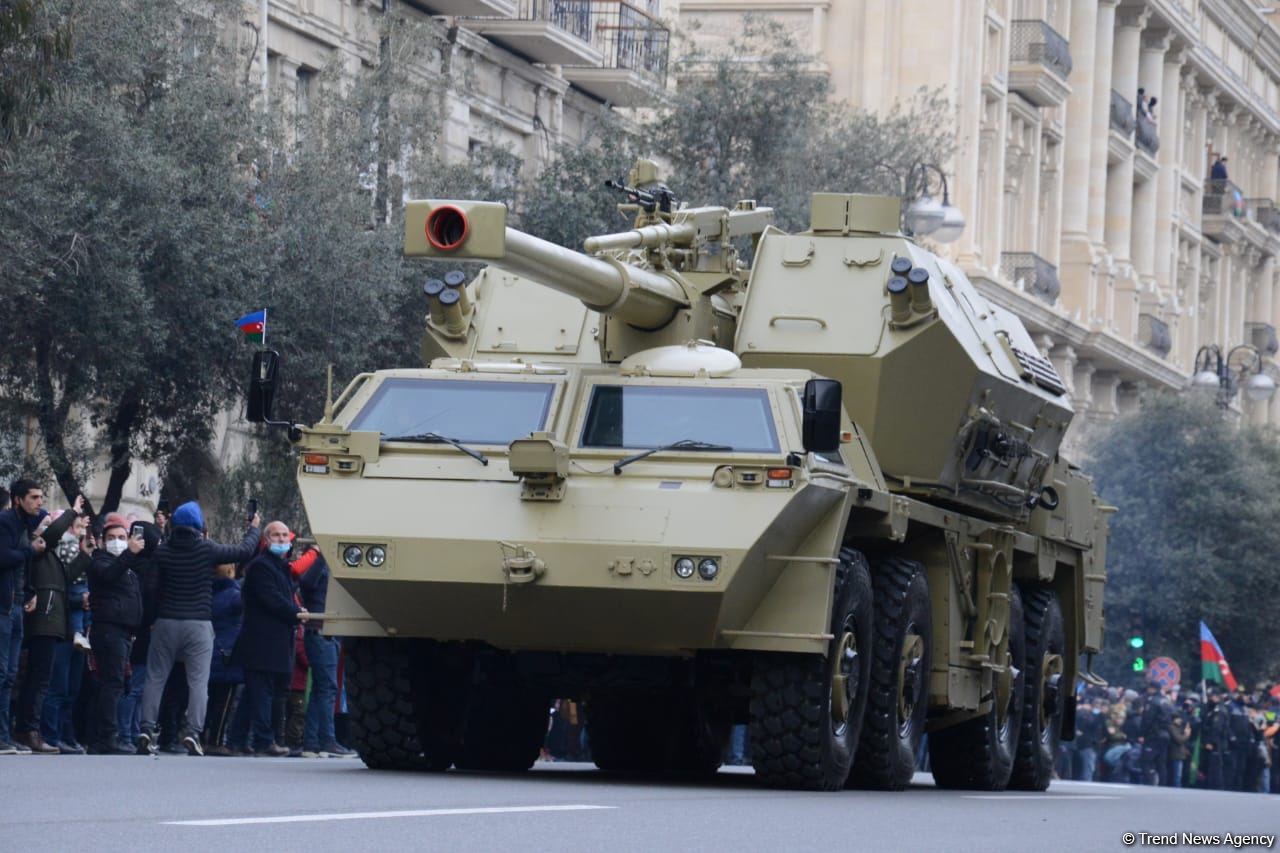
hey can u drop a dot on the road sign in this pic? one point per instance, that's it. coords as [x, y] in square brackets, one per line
[1165, 672]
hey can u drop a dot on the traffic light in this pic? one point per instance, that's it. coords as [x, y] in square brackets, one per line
[1136, 642]
[1139, 664]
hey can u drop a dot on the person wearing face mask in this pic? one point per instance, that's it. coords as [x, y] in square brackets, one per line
[16, 548]
[265, 647]
[48, 577]
[116, 596]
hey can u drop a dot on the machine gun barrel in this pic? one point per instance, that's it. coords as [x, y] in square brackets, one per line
[478, 231]
[709, 223]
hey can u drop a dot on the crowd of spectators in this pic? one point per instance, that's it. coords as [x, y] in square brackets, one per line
[120, 635]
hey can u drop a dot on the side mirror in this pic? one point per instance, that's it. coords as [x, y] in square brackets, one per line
[822, 409]
[262, 386]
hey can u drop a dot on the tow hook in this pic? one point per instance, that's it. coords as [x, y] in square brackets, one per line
[520, 564]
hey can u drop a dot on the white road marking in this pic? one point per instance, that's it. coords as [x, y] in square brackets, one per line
[1038, 797]
[310, 818]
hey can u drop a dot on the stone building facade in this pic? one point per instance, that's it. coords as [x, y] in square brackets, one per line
[1094, 222]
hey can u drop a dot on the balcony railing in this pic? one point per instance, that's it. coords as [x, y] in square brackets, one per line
[1153, 333]
[1123, 118]
[1036, 41]
[1222, 198]
[1033, 274]
[572, 16]
[630, 39]
[1146, 136]
[1265, 213]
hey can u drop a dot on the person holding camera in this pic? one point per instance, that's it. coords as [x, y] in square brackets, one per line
[183, 631]
[265, 647]
[115, 595]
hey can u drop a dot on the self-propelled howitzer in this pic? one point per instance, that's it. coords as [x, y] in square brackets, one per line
[819, 494]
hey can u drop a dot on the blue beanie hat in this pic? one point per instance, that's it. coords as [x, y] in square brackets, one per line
[189, 515]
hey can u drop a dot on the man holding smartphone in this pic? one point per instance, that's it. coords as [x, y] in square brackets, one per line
[183, 631]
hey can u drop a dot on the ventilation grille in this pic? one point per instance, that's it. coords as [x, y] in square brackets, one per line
[1040, 371]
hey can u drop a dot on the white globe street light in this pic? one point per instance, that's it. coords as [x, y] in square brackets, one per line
[925, 216]
[952, 224]
[1260, 387]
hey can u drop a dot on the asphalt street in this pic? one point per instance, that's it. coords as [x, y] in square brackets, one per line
[176, 803]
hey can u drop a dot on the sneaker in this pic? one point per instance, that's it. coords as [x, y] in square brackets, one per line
[273, 751]
[21, 748]
[81, 642]
[295, 752]
[72, 748]
[146, 742]
[192, 743]
[310, 753]
[37, 744]
[337, 750]
[8, 748]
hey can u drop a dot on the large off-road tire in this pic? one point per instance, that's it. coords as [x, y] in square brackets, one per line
[807, 709]
[400, 719]
[1044, 694]
[504, 729]
[899, 696]
[658, 733]
[978, 754]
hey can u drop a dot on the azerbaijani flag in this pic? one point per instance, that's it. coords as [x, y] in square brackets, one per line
[254, 326]
[1213, 664]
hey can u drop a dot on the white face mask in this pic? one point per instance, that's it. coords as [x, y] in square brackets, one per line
[68, 547]
[116, 546]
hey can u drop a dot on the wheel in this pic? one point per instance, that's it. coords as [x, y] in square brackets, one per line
[664, 733]
[900, 660]
[1043, 692]
[402, 702]
[806, 709]
[504, 729]
[978, 754]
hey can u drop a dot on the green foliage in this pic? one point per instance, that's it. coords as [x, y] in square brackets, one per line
[33, 39]
[1195, 536]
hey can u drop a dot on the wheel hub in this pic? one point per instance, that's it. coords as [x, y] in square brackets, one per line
[910, 678]
[844, 680]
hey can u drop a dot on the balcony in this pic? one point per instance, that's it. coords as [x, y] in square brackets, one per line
[1033, 274]
[635, 48]
[1222, 198]
[496, 8]
[1153, 334]
[1123, 118]
[554, 32]
[1146, 136]
[1263, 336]
[1039, 63]
[1265, 213]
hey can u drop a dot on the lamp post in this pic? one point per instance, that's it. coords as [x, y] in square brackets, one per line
[1223, 375]
[925, 216]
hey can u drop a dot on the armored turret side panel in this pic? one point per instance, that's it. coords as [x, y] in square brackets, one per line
[517, 316]
[955, 398]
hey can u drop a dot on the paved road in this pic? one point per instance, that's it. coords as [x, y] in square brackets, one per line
[185, 804]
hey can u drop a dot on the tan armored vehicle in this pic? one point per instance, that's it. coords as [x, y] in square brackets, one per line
[820, 495]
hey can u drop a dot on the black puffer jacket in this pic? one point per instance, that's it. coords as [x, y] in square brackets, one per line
[184, 568]
[115, 593]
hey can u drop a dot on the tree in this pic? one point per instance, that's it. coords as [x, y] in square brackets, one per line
[125, 229]
[33, 38]
[1194, 537]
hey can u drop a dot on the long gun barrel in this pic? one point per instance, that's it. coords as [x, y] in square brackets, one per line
[478, 231]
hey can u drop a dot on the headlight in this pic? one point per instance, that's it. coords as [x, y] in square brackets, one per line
[352, 555]
[684, 567]
[377, 555]
[708, 569]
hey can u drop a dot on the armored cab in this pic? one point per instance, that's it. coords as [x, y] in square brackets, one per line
[707, 472]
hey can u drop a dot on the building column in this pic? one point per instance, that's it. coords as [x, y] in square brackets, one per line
[1143, 237]
[1104, 45]
[1169, 123]
[1118, 222]
[1075, 253]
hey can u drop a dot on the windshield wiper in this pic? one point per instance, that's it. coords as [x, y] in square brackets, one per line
[683, 444]
[437, 438]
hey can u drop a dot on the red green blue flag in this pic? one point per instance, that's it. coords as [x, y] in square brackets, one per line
[254, 326]
[1213, 662]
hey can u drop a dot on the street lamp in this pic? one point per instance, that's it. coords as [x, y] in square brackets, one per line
[925, 216]
[1223, 375]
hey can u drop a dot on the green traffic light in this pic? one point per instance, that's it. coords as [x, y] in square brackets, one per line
[1139, 664]
[1137, 642]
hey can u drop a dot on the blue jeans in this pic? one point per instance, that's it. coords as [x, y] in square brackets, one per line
[10, 649]
[1175, 773]
[56, 724]
[129, 711]
[738, 745]
[260, 691]
[1087, 763]
[322, 655]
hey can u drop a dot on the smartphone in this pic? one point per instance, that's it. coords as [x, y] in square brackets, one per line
[136, 530]
[251, 510]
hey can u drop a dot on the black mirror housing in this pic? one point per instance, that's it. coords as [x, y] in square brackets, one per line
[262, 386]
[823, 405]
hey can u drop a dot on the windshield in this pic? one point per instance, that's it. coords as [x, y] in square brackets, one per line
[469, 411]
[642, 416]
